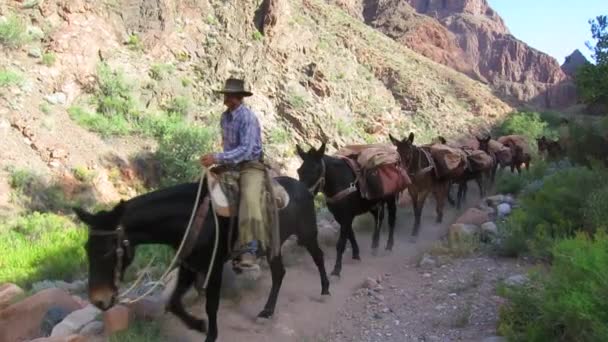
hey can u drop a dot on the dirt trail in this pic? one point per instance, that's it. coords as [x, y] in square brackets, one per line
[300, 314]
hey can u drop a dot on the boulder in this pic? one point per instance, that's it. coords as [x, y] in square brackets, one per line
[460, 231]
[116, 319]
[329, 231]
[427, 262]
[517, 280]
[8, 294]
[22, 320]
[52, 317]
[495, 200]
[148, 308]
[489, 230]
[94, 328]
[71, 338]
[473, 216]
[34, 52]
[76, 286]
[503, 209]
[56, 98]
[75, 321]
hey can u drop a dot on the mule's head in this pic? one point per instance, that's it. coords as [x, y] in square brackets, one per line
[542, 144]
[102, 251]
[405, 148]
[484, 143]
[311, 170]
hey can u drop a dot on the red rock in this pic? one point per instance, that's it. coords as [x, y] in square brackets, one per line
[116, 319]
[147, 309]
[8, 294]
[22, 320]
[473, 216]
[71, 338]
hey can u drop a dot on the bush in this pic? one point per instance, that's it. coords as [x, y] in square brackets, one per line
[12, 31]
[41, 246]
[114, 96]
[566, 304]
[528, 124]
[105, 125]
[595, 210]
[553, 212]
[9, 78]
[48, 58]
[179, 106]
[160, 72]
[139, 331]
[179, 150]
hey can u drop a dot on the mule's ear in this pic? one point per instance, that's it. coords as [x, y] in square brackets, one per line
[300, 151]
[394, 140]
[410, 138]
[84, 215]
[321, 151]
[441, 140]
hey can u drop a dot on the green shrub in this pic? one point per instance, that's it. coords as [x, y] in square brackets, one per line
[595, 210]
[179, 105]
[528, 124]
[83, 174]
[41, 246]
[257, 36]
[160, 72]
[49, 58]
[114, 97]
[104, 125]
[134, 43]
[179, 150]
[566, 304]
[554, 211]
[9, 78]
[140, 331]
[279, 135]
[162, 256]
[12, 31]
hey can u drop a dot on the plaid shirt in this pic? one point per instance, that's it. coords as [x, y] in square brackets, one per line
[241, 135]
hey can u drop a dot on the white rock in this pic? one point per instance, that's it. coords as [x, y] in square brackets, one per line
[517, 280]
[92, 329]
[34, 52]
[75, 321]
[489, 229]
[504, 209]
[56, 98]
[427, 262]
[370, 283]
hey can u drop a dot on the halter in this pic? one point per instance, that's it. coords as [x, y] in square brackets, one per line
[320, 183]
[122, 243]
[421, 152]
[319, 186]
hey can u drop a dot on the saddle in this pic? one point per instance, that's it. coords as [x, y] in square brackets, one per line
[223, 191]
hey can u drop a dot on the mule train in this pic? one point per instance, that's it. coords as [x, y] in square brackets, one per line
[357, 180]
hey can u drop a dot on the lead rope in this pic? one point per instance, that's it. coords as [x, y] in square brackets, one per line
[182, 244]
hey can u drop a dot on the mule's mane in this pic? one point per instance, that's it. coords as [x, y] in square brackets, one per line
[159, 204]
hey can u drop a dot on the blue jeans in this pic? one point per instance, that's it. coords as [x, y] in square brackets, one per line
[252, 247]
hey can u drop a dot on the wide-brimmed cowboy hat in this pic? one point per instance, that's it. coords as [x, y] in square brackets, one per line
[234, 86]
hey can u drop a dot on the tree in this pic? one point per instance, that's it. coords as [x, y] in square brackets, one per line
[592, 79]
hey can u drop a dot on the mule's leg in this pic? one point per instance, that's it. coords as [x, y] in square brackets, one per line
[378, 213]
[353, 241]
[317, 256]
[440, 196]
[340, 247]
[392, 219]
[449, 198]
[277, 270]
[185, 279]
[418, 211]
[212, 302]
[462, 188]
[479, 181]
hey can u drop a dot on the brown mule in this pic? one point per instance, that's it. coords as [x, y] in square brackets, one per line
[421, 169]
[551, 149]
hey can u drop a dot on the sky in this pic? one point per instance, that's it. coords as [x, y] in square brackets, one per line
[556, 27]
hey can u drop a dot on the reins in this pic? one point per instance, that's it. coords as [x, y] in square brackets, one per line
[124, 242]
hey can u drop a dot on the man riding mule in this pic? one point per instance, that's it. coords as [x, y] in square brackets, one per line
[242, 143]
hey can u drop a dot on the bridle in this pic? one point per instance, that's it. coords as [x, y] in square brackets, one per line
[122, 244]
[319, 186]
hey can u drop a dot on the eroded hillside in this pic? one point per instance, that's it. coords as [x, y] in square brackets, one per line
[317, 72]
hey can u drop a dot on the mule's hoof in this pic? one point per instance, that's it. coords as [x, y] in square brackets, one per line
[375, 251]
[334, 277]
[262, 320]
[198, 324]
[357, 257]
[324, 298]
[265, 314]
[389, 248]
